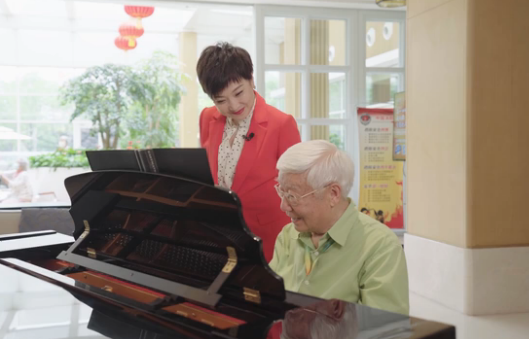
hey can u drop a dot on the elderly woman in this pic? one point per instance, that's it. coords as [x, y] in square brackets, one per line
[244, 137]
[330, 249]
[19, 183]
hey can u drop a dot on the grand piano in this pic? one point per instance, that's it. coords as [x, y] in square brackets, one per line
[155, 255]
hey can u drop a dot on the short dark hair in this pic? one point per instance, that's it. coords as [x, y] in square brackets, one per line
[363, 209]
[221, 64]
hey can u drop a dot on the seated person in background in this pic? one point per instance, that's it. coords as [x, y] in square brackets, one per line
[19, 183]
[330, 250]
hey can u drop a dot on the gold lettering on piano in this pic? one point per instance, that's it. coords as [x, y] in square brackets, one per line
[232, 260]
[252, 295]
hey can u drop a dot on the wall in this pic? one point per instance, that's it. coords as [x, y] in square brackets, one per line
[499, 138]
[437, 126]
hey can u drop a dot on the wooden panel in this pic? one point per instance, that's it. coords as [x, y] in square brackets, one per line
[437, 123]
[499, 111]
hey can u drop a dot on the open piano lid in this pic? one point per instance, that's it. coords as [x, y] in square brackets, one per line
[181, 237]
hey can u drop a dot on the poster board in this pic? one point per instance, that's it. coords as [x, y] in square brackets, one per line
[381, 181]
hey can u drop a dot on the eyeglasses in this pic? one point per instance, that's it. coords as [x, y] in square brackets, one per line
[292, 198]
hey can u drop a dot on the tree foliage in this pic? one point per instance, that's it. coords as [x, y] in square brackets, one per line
[138, 103]
[154, 115]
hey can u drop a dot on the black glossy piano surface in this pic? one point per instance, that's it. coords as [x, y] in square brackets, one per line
[155, 256]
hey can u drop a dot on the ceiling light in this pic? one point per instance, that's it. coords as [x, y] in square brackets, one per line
[391, 3]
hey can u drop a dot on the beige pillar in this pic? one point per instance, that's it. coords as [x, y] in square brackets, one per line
[189, 104]
[319, 82]
[337, 38]
[468, 153]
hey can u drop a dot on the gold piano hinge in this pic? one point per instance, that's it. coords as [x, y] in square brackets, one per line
[182, 313]
[91, 252]
[86, 228]
[252, 295]
[232, 260]
[107, 288]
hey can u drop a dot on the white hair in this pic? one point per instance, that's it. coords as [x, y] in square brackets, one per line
[322, 162]
[23, 163]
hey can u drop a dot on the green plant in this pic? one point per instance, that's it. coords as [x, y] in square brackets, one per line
[139, 103]
[152, 119]
[336, 140]
[60, 158]
[104, 95]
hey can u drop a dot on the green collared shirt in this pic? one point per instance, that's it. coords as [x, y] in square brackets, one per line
[365, 265]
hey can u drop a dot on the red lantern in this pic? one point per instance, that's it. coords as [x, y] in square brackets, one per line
[123, 43]
[139, 12]
[130, 32]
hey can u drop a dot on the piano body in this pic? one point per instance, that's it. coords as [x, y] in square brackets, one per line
[160, 256]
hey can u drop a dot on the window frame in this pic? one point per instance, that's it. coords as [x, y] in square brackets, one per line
[355, 70]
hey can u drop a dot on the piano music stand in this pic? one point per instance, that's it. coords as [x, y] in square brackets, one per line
[191, 163]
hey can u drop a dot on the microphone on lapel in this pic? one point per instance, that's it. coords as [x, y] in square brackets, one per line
[248, 137]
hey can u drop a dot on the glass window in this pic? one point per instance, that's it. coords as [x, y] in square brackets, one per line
[37, 125]
[283, 91]
[8, 107]
[333, 133]
[327, 95]
[8, 139]
[327, 42]
[8, 80]
[37, 107]
[383, 44]
[282, 41]
[381, 88]
[46, 137]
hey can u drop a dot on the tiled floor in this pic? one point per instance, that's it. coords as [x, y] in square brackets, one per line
[512, 326]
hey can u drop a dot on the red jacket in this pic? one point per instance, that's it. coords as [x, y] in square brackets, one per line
[255, 174]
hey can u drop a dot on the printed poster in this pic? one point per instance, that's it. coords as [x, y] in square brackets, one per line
[381, 191]
[399, 127]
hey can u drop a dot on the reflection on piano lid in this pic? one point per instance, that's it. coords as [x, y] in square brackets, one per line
[173, 257]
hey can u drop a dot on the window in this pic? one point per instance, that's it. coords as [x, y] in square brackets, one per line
[384, 58]
[321, 64]
[317, 64]
[47, 45]
[304, 73]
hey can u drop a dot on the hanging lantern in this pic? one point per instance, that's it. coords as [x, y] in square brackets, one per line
[130, 32]
[139, 12]
[123, 43]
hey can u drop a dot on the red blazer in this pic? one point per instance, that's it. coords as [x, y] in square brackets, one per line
[255, 174]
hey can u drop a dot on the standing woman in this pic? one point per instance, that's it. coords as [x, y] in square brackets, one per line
[244, 137]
